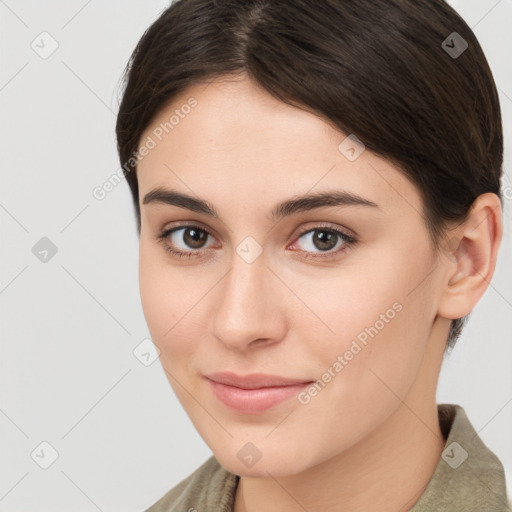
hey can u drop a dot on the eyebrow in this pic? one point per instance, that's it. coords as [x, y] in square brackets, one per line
[286, 208]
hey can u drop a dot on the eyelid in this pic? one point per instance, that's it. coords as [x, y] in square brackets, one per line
[313, 225]
[167, 231]
[350, 239]
[186, 224]
[327, 225]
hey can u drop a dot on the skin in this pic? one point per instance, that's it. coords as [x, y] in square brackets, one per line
[370, 439]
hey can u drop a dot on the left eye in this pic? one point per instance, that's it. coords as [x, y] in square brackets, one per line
[324, 240]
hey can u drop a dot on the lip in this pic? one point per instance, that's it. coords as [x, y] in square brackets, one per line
[254, 393]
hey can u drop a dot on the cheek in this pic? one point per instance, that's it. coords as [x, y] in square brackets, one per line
[352, 303]
[165, 305]
[370, 365]
[379, 320]
[173, 299]
[163, 294]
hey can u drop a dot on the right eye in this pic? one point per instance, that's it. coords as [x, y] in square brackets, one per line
[185, 241]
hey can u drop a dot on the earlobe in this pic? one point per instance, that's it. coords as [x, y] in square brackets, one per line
[470, 257]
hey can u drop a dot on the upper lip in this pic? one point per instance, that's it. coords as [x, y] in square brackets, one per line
[253, 380]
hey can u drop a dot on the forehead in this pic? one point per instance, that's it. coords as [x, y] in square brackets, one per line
[231, 135]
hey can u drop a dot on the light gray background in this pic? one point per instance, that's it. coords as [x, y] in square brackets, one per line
[69, 326]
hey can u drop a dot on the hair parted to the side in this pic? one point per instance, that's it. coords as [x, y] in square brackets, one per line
[372, 68]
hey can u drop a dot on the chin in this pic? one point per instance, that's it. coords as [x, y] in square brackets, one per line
[276, 464]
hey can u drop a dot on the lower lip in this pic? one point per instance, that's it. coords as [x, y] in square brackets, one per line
[253, 401]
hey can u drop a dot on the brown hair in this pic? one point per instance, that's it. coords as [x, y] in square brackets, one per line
[379, 69]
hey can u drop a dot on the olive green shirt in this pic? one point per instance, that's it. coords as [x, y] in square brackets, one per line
[468, 477]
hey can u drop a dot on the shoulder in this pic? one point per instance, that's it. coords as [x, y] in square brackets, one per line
[209, 487]
[468, 476]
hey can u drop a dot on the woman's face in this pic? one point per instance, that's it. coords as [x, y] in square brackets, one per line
[333, 300]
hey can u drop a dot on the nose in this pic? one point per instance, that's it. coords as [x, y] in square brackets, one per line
[249, 309]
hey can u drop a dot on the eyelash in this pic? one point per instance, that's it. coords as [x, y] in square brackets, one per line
[349, 241]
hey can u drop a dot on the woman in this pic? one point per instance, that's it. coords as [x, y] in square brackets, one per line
[317, 186]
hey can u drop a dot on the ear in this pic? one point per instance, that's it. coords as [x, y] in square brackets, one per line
[470, 257]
